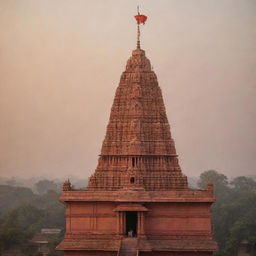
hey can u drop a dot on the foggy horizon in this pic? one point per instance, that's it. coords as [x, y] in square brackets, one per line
[61, 62]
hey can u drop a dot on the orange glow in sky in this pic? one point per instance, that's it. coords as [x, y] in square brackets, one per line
[61, 62]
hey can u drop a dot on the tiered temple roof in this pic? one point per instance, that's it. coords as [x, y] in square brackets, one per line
[138, 150]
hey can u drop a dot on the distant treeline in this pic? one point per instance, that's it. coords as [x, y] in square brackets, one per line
[40, 184]
[234, 212]
[23, 214]
[25, 211]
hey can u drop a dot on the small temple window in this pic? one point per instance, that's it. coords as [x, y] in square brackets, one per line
[132, 180]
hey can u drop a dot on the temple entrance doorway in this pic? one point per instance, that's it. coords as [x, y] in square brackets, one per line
[131, 224]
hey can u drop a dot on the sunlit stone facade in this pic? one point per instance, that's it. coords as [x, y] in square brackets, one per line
[137, 201]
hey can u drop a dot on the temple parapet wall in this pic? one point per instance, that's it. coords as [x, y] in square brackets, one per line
[204, 196]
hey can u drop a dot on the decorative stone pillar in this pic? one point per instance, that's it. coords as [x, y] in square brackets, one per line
[120, 223]
[123, 223]
[140, 224]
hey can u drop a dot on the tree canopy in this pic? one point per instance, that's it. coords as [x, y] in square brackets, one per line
[234, 211]
[23, 214]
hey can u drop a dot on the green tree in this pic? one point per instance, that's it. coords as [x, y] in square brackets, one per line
[220, 182]
[43, 186]
[233, 213]
[23, 213]
[20, 225]
[243, 184]
[13, 197]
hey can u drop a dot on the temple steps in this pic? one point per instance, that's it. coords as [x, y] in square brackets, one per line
[129, 246]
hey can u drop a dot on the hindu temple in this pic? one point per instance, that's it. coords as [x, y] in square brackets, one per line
[138, 201]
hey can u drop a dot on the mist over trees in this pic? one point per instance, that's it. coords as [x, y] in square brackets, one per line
[40, 185]
[24, 211]
[234, 212]
[23, 214]
[43, 186]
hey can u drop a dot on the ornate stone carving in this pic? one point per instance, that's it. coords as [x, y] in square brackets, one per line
[138, 136]
[66, 186]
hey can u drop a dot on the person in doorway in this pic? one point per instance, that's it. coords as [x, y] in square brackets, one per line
[130, 233]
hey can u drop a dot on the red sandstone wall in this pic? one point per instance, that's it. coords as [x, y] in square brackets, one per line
[178, 218]
[161, 218]
[92, 217]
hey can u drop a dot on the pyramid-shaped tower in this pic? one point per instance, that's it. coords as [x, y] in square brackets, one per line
[138, 150]
[137, 201]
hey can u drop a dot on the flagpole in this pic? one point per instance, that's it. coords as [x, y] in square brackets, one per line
[140, 20]
[138, 29]
[138, 36]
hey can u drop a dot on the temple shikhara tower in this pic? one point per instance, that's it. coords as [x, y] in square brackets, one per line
[137, 201]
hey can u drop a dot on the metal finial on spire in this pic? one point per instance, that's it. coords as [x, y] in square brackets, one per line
[141, 19]
[138, 36]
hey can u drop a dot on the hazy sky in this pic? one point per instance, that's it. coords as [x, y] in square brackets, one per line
[61, 61]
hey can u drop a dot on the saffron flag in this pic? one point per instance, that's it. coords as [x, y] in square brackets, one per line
[141, 19]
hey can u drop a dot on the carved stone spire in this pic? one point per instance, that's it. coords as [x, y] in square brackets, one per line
[138, 150]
